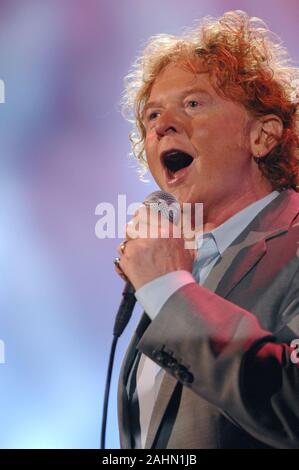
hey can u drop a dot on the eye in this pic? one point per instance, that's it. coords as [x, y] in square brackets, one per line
[152, 115]
[193, 103]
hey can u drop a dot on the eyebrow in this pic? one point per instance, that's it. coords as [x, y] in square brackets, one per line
[152, 104]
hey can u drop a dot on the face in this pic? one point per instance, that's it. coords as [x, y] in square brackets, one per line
[188, 123]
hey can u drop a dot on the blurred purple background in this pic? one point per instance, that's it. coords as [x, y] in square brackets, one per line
[64, 147]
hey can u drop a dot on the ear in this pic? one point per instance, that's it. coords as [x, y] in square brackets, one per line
[265, 133]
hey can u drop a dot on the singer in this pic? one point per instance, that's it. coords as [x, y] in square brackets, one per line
[211, 363]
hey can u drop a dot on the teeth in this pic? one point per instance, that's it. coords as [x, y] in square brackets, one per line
[176, 160]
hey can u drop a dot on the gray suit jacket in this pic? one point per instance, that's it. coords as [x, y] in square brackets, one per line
[230, 381]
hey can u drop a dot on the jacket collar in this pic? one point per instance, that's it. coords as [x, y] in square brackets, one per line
[251, 245]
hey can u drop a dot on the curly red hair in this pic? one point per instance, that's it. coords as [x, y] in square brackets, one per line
[251, 67]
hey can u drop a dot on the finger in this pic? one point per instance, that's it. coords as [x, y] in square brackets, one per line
[136, 228]
[120, 272]
[122, 247]
[140, 208]
[150, 223]
[132, 229]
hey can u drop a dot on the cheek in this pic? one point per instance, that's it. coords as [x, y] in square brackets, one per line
[232, 129]
[150, 134]
[150, 141]
[205, 139]
[220, 135]
[151, 148]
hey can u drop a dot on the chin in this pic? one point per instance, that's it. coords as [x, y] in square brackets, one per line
[183, 195]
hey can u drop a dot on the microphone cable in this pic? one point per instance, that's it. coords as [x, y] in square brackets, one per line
[168, 206]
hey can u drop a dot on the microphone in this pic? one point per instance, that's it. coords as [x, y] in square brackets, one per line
[168, 206]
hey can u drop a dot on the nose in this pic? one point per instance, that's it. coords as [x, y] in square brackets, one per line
[168, 123]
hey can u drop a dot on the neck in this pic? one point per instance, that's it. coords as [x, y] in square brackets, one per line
[216, 212]
[217, 215]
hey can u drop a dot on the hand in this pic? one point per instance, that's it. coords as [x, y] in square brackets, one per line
[145, 258]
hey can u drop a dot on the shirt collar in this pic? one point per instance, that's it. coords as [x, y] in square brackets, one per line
[227, 232]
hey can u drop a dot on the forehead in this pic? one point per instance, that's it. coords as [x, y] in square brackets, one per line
[177, 78]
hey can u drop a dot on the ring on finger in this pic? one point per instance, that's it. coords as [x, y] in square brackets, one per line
[123, 246]
[116, 262]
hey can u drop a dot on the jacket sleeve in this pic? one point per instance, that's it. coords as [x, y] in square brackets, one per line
[221, 352]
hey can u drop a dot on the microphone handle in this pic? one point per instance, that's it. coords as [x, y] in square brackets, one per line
[125, 309]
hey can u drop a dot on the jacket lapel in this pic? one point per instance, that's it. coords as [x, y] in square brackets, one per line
[165, 393]
[122, 394]
[242, 257]
[251, 245]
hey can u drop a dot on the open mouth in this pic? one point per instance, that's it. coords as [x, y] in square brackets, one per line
[174, 161]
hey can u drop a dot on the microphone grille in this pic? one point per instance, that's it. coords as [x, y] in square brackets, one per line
[166, 203]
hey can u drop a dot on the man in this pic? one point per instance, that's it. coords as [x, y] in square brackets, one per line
[211, 364]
